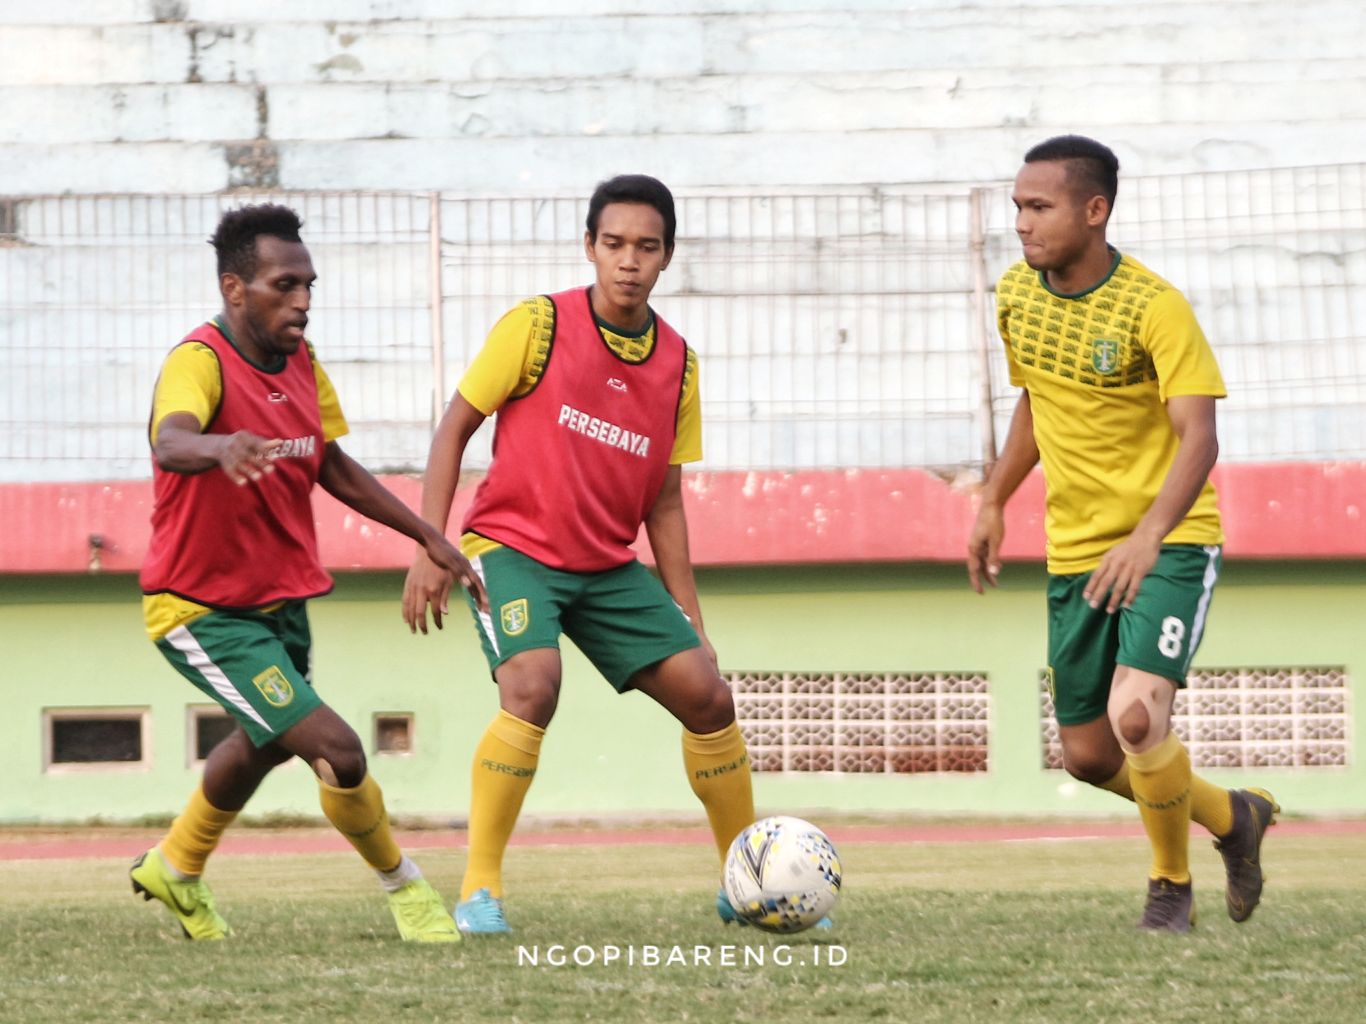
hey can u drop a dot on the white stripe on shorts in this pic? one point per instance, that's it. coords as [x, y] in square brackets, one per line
[183, 641]
[1202, 609]
[485, 617]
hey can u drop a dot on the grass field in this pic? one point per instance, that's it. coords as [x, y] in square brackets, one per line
[1010, 931]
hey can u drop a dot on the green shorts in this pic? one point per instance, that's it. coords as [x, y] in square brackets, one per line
[1159, 634]
[255, 664]
[622, 619]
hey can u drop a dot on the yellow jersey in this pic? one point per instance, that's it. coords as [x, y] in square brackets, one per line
[1099, 367]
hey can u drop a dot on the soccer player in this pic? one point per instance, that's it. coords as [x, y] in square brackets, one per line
[597, 409]
[244, 423]
[1119, 386]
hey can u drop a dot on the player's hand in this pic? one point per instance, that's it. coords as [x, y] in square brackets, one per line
[246, 457]
[427, 584]
[1116, 580]
[448, 556]
[984, 546]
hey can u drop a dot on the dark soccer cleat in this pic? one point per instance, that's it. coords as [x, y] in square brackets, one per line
[1170, 908]
[1254, 811]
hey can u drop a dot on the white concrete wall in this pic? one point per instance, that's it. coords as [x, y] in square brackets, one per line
[835, 329]
[202, 95]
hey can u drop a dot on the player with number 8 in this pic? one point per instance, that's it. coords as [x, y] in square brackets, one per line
[1118, 403]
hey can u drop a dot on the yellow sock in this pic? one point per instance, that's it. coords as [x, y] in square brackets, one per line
[1161, 780]
[1211, 805]
[359, 815]
[194, 834]
[504, 765]
[1119, 784]
[718, 771]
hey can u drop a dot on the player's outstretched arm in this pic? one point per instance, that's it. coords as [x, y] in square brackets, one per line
[353, 485]
[667, 527]
[427, 586]
[181, 447]
[1121, 571]
[1020, 455]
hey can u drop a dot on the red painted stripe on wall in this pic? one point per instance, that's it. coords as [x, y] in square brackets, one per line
[1298, 510]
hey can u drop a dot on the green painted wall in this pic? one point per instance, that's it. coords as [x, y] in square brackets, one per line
[78, 641]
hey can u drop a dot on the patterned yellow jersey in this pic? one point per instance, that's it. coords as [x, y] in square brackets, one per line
[192, 382]
[1099, 367]
[515, 355]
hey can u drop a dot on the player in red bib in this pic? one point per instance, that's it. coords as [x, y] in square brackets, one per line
[244, 423]
[597, 410]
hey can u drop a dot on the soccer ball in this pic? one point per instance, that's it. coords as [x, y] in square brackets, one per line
[782, 874]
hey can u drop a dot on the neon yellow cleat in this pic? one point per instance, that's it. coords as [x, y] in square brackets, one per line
[420, 914]
[189, 900]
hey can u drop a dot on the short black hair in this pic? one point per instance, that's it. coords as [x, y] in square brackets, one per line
[634, 188]
[234, 240]
[1090, 165]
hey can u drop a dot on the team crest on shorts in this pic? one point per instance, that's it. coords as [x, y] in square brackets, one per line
[515, 617]
[274, 687]
[1105, 355]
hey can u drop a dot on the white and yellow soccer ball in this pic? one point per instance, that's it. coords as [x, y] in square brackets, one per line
[782, 874]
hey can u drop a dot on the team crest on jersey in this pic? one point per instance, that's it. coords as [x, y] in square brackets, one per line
[1105, 355]
[274, 687]
[515, 617]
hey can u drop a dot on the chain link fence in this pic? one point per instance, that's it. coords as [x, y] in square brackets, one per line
[836, 328]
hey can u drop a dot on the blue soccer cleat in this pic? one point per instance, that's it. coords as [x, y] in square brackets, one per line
[481, 914]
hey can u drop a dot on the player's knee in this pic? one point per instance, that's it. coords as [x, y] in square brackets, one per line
[1133, 724]
[712, 710]
[1087, 766]
[343, 767]
[534, 704]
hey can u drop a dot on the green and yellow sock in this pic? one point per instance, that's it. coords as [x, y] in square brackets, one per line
[194, 835]
[718, 771]
[1161, 780]
[504, 765]
[359, 815]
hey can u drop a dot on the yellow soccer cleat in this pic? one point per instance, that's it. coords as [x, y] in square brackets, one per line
[188, 899]
[420, 914]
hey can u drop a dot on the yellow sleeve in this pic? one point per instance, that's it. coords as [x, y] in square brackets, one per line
[1184, 360]
[505, 366]
[1003, 326]
[334, 421]
[190, 381]
[688, 436]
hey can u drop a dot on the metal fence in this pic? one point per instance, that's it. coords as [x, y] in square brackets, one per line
[836, 328]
